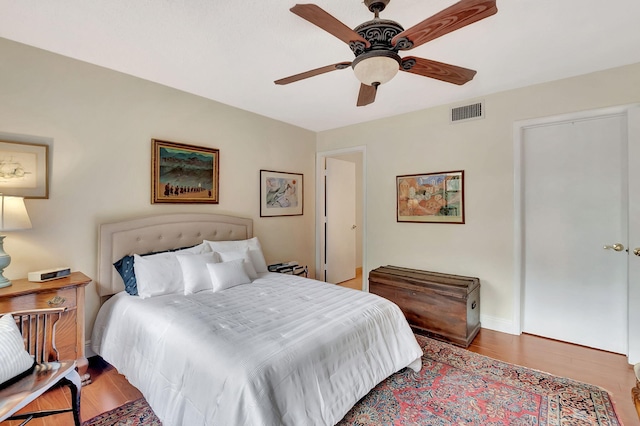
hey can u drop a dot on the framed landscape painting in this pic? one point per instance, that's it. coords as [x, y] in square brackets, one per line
[184, 173]
[431, 197]
[24, 169]
[281, 193]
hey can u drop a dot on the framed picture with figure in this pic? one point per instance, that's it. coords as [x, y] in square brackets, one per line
[182, 173]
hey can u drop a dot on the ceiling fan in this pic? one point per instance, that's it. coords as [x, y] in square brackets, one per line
[376, 44]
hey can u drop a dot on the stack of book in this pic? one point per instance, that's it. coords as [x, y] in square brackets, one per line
[291, 268]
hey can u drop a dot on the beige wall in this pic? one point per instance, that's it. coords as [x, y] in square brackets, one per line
[99, 124]
[425, 141]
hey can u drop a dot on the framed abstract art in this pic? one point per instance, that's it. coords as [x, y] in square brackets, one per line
[281, 193]
[430, 197]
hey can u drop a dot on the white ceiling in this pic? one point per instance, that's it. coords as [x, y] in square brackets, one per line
[231, 51]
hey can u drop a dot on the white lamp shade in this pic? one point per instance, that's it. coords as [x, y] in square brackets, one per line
[376, 69]
[13, 214]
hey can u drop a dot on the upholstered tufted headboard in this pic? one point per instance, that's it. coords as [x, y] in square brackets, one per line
[157, 233]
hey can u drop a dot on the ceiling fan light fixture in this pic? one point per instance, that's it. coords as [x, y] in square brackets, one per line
[376, 67]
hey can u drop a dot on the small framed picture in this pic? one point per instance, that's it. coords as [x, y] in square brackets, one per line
[281, 193]
[24, 169]
[182, 173]
[431, 197]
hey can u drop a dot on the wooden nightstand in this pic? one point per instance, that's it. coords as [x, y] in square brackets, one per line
[67, 292]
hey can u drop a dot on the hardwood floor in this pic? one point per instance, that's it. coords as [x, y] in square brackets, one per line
[355, 283]
[607, 370]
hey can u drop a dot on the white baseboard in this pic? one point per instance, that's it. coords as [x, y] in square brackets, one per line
[88, 352]
[498, 324]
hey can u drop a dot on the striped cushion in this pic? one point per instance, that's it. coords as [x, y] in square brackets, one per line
[14, 359]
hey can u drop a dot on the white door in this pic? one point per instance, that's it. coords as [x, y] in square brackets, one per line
[634, 235]
[340, 221]
[575, 203]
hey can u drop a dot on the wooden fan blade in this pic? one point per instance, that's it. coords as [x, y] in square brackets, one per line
[367, 94]
[311, 73]
[438, 70]
[327, 22]
[459, 15]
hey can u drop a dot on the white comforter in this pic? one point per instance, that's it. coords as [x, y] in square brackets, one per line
[282, 350]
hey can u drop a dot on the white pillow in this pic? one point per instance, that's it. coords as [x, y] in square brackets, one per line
[236, 245]
[194, 271]
[158, 274]
[226, 256]
[197, 249]
[227, 274]
[253, 244]
[257, 258]
[14, 359]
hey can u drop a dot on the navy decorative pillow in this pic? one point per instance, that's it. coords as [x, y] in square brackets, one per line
[124, 267]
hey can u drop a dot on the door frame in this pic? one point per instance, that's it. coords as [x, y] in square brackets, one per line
[320, 204]
[518, 138]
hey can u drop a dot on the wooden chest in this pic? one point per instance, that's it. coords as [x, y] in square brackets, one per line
[442, 306]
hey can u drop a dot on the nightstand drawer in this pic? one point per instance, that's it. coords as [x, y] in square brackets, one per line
[46, 299]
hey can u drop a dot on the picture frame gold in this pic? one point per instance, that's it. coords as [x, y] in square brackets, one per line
[24, 169]
[430, 197]
[183, 173]
[281, 193]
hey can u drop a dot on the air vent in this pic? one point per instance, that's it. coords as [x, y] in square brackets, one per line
[467, 112]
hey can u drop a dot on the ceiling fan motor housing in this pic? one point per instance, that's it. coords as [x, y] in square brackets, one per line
[379, 33]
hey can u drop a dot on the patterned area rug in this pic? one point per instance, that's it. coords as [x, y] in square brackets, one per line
[135, 413]
[458, 387]
[454, 387]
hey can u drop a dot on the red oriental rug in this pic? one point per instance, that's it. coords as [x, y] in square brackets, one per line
[134, 413]
[454, 387]
[459, 387]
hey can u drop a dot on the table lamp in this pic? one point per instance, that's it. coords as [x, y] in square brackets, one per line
[13, 217]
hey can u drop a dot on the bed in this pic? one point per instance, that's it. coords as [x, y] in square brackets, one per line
[279, 350]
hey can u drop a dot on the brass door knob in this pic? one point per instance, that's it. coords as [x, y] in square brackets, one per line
[636, 251]
[616, 247]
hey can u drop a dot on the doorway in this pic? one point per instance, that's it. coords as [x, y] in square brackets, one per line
[325, 199]
[573, 228]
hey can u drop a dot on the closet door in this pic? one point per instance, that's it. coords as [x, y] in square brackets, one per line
[575, 236]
